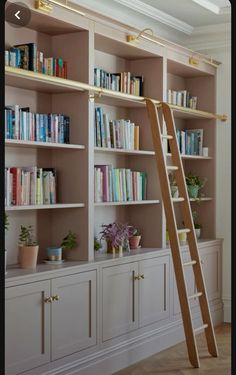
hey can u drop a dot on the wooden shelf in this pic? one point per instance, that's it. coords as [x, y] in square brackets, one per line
[44, 206]
[48, 145]
[103, 204]
[193, 157]
[123, 151]
[204, 199]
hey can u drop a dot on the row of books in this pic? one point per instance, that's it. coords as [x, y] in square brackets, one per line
[118, 184]
[30, 186]
[123, 81]
[182, 98]
[22, 124]
[27, 56]
[122, 134]
[190, 141]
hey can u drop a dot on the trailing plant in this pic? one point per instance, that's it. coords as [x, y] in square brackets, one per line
[69, 242]
[194, 180]
[117, 233]
[97, 244]
[26, 237]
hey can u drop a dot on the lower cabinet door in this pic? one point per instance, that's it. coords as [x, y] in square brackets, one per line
[211, 266]
[119, 300]
[27, 327]
[154, 290]
[73, 313]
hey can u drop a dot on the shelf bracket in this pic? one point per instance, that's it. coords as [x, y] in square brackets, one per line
[94, 95]
[43, 5]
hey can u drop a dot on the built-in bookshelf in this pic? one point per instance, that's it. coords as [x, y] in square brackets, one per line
[85, 47]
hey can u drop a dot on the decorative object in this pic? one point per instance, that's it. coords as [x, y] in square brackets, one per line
[173, 186]
[194, 184]
[54, 253]
[6, 228]
[197, 226]
[205, 151]
[97, 244]
[28, 248]
[134, 241]
[116, 234]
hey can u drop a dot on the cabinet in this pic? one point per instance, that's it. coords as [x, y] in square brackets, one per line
[134, 295]
[48, 320]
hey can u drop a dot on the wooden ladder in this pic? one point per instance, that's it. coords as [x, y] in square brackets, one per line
[173, 232]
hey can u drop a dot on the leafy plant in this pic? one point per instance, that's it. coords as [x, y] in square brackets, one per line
[117, 233]
[97, 244]
[136, 232]
[26, 236]
[195, 216]
[192, 179]
[69, 242]
[6, 222]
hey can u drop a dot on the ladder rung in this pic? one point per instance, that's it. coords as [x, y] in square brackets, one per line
[166, 136]
[199, 294]
[190, 263]
[200, 328]
[180, 199]
[172, 167]
[185, 230]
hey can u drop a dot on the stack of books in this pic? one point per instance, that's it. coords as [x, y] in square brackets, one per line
[123, 81]
[27, 56]
[190, 141]
[30, 186]
[121, 134]
[22, 124]
[181, 98]
[118, 184]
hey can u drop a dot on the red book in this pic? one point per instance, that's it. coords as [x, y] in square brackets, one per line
[16, 188]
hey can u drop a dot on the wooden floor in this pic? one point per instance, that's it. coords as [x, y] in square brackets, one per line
[174, 361]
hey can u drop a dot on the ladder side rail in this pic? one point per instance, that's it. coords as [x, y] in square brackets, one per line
[191, 236]
[173, 236]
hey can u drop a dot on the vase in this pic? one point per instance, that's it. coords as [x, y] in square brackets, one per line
[28, 256]
[193, 191]
[134, 242]
[183, 238]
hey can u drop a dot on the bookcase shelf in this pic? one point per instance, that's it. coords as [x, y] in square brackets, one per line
[104, 204]
[123, 151]
[44, 206]
[33, 144]
[193, 157]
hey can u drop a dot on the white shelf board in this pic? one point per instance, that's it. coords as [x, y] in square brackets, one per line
[204, 199]
[44, 206]
[33, 144]
[123, 151]
[101, 204]
[193, 157]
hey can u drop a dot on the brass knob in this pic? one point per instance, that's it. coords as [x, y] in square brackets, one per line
[55, 298]
[48, 300]
[137, 277]
[142, 276]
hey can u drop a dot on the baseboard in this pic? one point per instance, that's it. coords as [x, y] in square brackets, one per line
[227, 310]
[129, 353]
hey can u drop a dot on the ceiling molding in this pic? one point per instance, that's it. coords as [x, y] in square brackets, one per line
[223, 28]
[157, 15]
[201, 45]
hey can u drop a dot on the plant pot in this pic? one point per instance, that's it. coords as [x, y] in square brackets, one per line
[193, 191]
[54, 253]
[198, 232]
[183, 239]
[28, 256]
[134, 242]
[174, 191]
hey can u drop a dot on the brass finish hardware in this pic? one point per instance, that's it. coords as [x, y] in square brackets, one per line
[48, 300]
[137, 277]
[43, 5]
[95, 95]
[63, 5]
[142, 276]
[193, 61]
[133, 38]
[56, 297]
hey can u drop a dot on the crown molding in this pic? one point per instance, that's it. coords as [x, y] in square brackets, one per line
[157, 15]
[221, 28]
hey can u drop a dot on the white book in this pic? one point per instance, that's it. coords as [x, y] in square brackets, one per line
[179, 98]
[169, 96]
[6, 57]
[122, 133]
[174, 97]
[132, 125]
[107, 129]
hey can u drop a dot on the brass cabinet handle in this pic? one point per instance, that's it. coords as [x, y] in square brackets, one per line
[142, 276]
[48, 300]
[137, 277]
[56, 297]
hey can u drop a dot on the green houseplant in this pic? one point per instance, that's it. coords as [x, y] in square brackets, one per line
[69, 242]
[28, 247]
[97, 244]
[197, 226]
[194, 184]
[134, 240]
[173, 186]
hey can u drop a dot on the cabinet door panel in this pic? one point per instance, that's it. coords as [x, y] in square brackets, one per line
[211, 270]
[27, 327]
[119, 300]
[154, 291]
[74, 314]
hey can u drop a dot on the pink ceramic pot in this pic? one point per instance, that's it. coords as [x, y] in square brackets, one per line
[28, 256]
[134, 242]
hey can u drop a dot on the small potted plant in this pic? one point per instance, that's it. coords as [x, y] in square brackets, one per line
[135, 239]
[194, 184]
[173, 186]
[116, 235]
[28, 248]
[197, 226]
[54, 253]
[97, 244]
[69, 242]
[6, 228]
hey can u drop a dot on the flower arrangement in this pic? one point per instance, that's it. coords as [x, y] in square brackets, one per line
[117, 233]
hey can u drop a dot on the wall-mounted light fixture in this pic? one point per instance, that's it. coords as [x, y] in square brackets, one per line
[47, 6]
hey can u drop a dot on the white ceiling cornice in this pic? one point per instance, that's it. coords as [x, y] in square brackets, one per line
[157, 15]
[223, 28]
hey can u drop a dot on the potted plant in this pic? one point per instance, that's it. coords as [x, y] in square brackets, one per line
[194, 184]
[173, 186]
[116, 235]
[135, 239]
[6, 228]
[197, 226]
[54, 253]
[97, 244]
[69, 242]
[28, 248]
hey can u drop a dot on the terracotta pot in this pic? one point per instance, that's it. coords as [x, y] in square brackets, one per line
[28, 256]
[134, 242]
